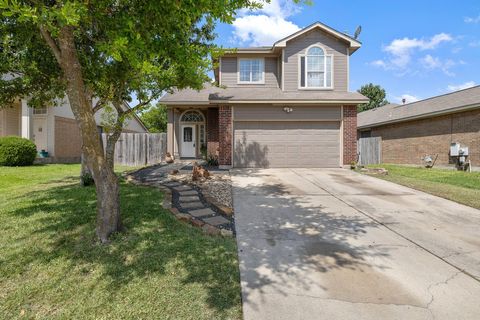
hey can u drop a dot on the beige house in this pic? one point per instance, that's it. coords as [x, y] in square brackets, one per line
[52, 129]
[411, 131]
[287, 105]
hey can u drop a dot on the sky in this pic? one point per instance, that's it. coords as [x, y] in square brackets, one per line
[413, 49]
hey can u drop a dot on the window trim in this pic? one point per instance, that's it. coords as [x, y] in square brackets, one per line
[304, 55]
[262, 81]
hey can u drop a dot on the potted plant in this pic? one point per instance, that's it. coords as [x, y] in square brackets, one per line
[168, 158]
[43, 153]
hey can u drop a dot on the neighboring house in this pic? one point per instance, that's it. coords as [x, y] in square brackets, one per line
[287, 105]
[427, 127]
[52, 129]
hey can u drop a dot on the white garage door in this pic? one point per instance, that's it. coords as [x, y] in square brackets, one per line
[285, 144]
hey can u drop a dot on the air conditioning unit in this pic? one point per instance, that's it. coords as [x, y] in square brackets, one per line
[459, 154]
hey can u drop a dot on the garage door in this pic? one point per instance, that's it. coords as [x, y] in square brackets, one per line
[284, 144]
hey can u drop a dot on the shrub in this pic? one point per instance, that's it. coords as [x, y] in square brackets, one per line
[212, 161]
[16, 151]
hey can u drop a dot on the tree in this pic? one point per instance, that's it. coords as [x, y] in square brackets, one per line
[155, 118]
[99, 53]
[375, 93]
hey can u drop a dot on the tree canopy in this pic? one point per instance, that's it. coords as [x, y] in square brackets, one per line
[100, 53]
[375, 93]
[155, 118]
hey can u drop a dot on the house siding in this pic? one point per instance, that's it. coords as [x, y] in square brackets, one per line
[230, 77]
[276, 113]
[10, 121]
[408, 142]
[333, 46]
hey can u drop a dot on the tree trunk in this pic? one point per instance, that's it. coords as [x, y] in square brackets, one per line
[106, 182]
[86, 177]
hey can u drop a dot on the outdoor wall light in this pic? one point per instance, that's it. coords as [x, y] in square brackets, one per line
[287, 109]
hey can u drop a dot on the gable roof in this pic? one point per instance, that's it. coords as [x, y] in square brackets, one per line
[457, 101]
[354, 43]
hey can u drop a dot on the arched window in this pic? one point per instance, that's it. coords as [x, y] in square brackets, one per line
[192, 116]
[316, 69]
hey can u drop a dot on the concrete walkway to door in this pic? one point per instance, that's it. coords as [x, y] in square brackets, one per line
[333, 244]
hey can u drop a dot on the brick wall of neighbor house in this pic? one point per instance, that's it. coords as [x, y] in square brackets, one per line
[212, 130]
[68, 143]
[408, 142]
[225, 135]
[349, 134]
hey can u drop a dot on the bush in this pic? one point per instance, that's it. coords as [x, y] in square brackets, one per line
[212, 161]
[16, 151]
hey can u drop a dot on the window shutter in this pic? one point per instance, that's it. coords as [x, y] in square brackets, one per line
[302, 72]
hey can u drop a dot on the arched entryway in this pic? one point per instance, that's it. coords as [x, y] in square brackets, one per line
[192, 133]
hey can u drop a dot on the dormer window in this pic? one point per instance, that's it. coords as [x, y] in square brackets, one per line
[251, 71]
[316, 69]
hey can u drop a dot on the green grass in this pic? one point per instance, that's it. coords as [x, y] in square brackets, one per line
[459, 186]
[52, 267]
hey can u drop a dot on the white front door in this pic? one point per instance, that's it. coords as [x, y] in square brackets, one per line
[40, 133]
[188, 141]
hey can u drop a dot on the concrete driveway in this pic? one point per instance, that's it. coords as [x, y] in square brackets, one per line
[333, 244]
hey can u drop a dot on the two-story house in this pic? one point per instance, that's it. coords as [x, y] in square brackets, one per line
[287, 105]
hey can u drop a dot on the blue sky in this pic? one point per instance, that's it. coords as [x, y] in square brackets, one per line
[414, 49]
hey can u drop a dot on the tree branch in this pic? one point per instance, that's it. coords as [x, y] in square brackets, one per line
[138, 106]
[51, 43]
[98, 106]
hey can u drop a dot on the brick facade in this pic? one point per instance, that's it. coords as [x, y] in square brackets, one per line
[408, 142]
[225, 135]
[68, 143]
[349, 134]
[212, 131]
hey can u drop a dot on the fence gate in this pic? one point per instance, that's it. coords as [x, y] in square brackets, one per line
[370, 150]
[139, 149]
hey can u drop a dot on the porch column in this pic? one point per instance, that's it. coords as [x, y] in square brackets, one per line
[349, 134]
[27, 120]
[212, 131]
[225, 136]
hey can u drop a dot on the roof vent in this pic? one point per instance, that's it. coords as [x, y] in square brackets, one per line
[404, 100]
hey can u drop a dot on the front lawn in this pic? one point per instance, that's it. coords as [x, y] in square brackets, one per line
[459, 186]
[51, 267]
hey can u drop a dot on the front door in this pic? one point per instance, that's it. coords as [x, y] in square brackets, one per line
[40, 132]
[188, 141]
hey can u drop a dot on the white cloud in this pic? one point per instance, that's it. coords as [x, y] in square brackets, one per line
[430, 62]
[472, 19]
[456, 87]
[401, 50]
[408, 98]
[266, 25]
[379, 63]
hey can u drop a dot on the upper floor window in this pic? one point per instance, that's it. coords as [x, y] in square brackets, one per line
[316, 69]
[251, 70]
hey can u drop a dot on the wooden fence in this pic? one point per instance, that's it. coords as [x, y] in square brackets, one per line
[370, 150]
[139, 149]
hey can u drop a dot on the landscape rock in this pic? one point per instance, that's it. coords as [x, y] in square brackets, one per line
[197, 223]
[210, 230]
[183, 217]
[226, 233]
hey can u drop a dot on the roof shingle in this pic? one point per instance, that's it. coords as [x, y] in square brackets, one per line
[450, 102]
